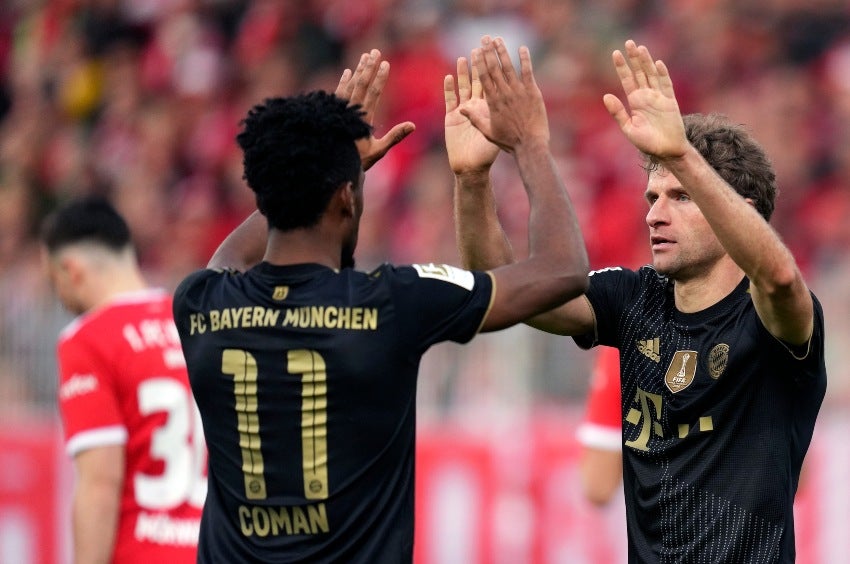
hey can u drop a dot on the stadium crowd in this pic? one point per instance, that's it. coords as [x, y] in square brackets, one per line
[140, 100]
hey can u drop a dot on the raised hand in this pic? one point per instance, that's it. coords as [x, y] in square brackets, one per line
[364, 86]
[653, 121]
[515, 112]
[468, 150]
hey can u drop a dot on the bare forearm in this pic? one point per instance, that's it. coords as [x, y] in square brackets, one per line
[481, 240]
[556, 269]
[95, 521]
[779, 293]
[750, 241]
[601, 473]
[553, 227]
[244, 247]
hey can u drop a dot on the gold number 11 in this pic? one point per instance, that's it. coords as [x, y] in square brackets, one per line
[314, 419]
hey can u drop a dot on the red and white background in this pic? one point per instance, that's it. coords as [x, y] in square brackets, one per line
[504, 493]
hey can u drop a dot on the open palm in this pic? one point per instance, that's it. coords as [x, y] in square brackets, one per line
[364, 86]
[468, 150]
[653, 122]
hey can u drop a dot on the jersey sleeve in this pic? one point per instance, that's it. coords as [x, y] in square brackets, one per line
[602, 427]
[441, 302]
[88, 402]
[809, 357]
[609, 291]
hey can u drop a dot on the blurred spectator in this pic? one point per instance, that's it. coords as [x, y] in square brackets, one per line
[140, 100]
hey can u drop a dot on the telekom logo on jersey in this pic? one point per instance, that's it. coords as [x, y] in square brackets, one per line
[78, 385]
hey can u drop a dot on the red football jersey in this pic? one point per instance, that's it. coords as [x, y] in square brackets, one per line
[602, 424]
[123, 381]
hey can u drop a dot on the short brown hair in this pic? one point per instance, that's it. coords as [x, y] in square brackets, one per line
[735, 155]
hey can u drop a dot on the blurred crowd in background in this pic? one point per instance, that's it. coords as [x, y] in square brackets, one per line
[141, 99]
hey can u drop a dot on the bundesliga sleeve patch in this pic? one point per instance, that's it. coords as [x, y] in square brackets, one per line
[446, 273]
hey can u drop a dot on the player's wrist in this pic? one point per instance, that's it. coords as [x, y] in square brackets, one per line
[473, 178]
[679, 157]
[536, 145]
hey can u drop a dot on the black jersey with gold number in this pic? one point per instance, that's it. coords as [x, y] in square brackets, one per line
[717, 417]
[306, 382]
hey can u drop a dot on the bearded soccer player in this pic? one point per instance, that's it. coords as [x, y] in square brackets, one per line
[130, 422]
[304, 368]
[721, 341]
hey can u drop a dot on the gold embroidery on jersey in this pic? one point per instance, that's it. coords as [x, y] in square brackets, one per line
[647, 418]
[265, 521]
[280, 293]
[646, 415]
[718, 357]
[681, 371]
[650, 348]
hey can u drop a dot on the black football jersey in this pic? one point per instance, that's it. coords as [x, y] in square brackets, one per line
[717, 417]
[305, 378]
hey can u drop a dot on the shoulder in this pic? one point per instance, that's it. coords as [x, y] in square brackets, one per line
[436, 275]
[102, 321]
[198, 280]
[646, 272]
[624, 280]
[202, 276]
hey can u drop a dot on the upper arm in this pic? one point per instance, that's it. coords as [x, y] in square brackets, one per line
[519, 298]
[573, 318]
[244, 247]
[786, 312]
[97, 502]
[102, 467]
[601, 473]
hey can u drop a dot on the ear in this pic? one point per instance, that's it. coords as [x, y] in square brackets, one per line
[72, 269]
[347, 200]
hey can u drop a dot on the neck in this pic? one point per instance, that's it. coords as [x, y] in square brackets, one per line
[305, 245]
[114, 283]
[697, 294]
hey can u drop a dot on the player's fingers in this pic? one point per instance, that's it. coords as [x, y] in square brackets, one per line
[665, 83]
[616, 108]
[393, 137]
[505, 62]
[464, 86]
[638, 73]
[348, 89]
[343, 83]
[484, 77]
[364, 76]
[397, 134]
[491, 63]
[375, 88]
[526, 69]
[624, 73]
[449, 93]
[478, 121]
[477, 90]
[647, 66]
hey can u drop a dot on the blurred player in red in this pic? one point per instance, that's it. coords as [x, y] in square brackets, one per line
[600, 432]
[131, 425]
